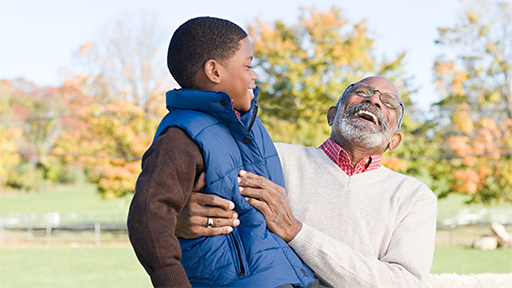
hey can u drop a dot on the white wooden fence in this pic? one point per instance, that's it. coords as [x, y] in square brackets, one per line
[49, 223]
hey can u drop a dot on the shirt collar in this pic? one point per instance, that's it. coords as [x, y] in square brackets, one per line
[341, 158]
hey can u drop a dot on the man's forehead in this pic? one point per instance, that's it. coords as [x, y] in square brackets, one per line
[382, 84]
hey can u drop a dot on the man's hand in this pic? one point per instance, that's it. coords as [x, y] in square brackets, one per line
[193, 219]
[270, 199]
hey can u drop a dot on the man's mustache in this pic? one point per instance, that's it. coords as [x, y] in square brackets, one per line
[352, 110]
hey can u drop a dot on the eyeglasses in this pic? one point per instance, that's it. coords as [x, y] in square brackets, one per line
[389, 100]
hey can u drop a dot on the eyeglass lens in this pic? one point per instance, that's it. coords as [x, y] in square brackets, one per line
[365, 90]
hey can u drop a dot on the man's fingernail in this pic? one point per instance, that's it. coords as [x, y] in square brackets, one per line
[235, 215]
[241, 188]
[231, 205]
[242, 172]
[239, 179]
[236, 222]
[230, 229]
[246, 198]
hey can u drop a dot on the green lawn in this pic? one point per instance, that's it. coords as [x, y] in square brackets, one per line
[71, 267]
[466, 260]
[118, 267]
[79, 199]
[457, 201]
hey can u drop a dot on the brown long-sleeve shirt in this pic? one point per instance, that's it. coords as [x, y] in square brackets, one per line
[169, 169]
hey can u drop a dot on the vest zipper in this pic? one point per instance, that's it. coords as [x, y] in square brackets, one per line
[254, 113]
[242, 269]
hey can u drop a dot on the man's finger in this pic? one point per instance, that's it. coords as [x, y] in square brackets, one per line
[259, 205]
[199, 183]
[211, 200]
[201, 221]
[248, 179]
[208, 211]
[215, 231]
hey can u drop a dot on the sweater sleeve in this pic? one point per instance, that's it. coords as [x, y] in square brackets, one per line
[169, 168]
[406, 263]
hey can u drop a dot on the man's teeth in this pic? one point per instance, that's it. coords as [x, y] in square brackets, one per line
[368, 114]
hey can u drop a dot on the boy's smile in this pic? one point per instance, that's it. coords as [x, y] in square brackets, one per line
[238, 78]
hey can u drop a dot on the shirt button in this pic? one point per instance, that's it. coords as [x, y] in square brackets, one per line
[223, 102]
[246, 140]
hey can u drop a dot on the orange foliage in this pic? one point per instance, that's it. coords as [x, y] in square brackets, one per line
[394, 163]
[466, 181]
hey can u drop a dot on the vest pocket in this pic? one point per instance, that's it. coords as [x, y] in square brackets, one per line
[239, 255]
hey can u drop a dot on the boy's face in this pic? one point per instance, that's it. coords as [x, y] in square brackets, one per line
[239, 78]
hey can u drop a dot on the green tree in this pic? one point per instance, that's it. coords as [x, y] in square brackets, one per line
[475, 116]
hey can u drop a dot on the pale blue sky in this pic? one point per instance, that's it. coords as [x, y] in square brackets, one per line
[37, 38]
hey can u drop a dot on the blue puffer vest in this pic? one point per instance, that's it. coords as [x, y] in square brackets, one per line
[250, 256]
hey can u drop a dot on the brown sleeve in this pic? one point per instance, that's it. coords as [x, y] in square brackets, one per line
[169, 168]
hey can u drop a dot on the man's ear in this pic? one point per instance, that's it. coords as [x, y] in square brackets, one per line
[331, 114]
[211, 70]
[395, 141]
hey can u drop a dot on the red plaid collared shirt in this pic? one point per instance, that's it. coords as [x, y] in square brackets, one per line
[236, 112]
[341, 158]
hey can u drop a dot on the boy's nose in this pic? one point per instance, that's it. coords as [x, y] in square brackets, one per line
[254, 75]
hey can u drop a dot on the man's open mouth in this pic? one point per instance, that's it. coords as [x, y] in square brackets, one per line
[369, 116]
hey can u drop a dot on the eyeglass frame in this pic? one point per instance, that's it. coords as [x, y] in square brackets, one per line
[380, 99]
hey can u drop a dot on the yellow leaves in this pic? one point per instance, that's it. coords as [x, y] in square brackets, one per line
[10, 140]
[495, 97]
[472, 16]
[462, 120]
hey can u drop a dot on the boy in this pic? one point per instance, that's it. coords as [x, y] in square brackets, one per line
[211, 126]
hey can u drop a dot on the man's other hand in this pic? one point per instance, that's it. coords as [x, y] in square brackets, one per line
[193, 219]
[271, 200]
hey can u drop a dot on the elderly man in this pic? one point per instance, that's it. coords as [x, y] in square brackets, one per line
[352, 220]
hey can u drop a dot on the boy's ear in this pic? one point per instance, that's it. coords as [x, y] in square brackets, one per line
[212, 71]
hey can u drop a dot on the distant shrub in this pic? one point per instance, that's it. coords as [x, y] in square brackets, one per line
[71, 175]
[25, 176]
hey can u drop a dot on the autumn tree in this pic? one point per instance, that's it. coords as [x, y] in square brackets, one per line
[475, 116]
[304, 68]
[107, 140]
[29, 123]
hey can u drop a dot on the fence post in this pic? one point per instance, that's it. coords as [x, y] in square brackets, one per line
[48, 233]
[97, 233]
[1, 231]
[30, 232]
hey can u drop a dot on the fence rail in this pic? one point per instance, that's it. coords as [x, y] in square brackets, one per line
[58, 223]
[474, 216]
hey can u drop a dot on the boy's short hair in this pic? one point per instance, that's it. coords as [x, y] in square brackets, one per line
[199, 40]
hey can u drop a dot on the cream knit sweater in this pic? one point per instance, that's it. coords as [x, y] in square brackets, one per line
[374, 229]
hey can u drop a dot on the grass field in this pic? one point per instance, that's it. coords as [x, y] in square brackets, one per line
[71, 267]
[116, 266]
[466, 260]
[80, 199]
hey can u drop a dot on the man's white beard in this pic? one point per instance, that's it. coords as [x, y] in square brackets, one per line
[360, 133]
